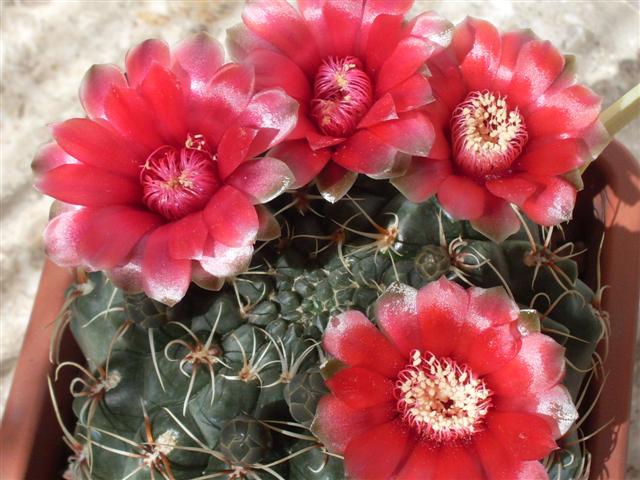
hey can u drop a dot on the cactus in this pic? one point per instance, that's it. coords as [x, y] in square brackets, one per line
[225, 384]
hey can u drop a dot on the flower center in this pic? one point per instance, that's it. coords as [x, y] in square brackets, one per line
[179, 181]
[440, 399]
[487, 136]
[342, 95]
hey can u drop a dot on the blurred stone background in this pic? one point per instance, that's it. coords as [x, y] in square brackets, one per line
[48, 45]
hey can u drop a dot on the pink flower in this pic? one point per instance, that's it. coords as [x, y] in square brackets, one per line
[512, 127]
[159, 184]
[450, 387]
[357, 70]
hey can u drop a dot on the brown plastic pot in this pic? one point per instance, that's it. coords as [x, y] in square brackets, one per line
[30, 443]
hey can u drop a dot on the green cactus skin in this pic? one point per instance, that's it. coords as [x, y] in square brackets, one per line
[225, 384]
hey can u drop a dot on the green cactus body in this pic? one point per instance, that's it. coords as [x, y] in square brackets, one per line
[225, 384]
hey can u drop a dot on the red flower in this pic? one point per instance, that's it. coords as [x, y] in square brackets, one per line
[450, 388]
[512, 127]
[160, 184]
[357, 71]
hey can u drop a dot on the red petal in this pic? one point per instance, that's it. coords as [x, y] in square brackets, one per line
[269, 226]
[164, 279]
[497, 461]
[406, 59]
[84, 185]
[334, 182]
[131, 224]
[241, 42]
[361, 388]
[538, 366]
[130, 115]
[222, 261]
[303, 162]
[563, 112]
[397, 316]
[342, 22]
[366, 153]
[442, 309]
[92, 144]
[421, 464]
[376, 8]
[499, 221]
[554, 157]
[195, 61]
[233, 148]
[538, 65]
[140, 58]
[462, 198]
[336, 423]
[554, 404]
[128, 277]
[50, 156]
[423, 178]
[412, 133]
[432, 27]
[188, 236]
[384, 35]
[353, 339]
[278, 23]
[447, 83]
[376, 454]
[414, 92]
[262, 179]
[62, 237]
[383, 110]
[553, 203]
[479, 63]
[231, 217]
[95, 86]
[275, 70]
[204, 279]
[525, 436]
[457, 462]
[225, 98]
[319, 142]
[512, 43]
[271, 110]
[162, 91]
[514, 189]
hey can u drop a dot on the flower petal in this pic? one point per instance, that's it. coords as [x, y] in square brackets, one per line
[384, 35]
[366, 153]
[462, 198]
[62, 237]
[262, 179]
[231, 217]
[538, 366]
[538, 65]
[512, 43]
[140, 58]
[342, 22]
[499, 221]
[412, 133]
[413, 93]
[499, 464]
[477, 45]
[423, 178]
[516, 189]
[431, 26]
[204, 279]
[100, 224]
[566, 111]
[233, 148]
[397, 315]
[524, 435]
[383, 110]
[304, 162]
[554, 157]
[553, 203]
[421, 463]
[442, 309]
[361, 388]
[279, 23]
[188, 236]
[164, 279]
[222, 261]
[354, 340]
[409, 56]
[334, 182]
[195, 61]
[95, 86]
[269, 226]
[276, 70]
[84, 185]
[373, 9]
[128, 277]
[50, 156]
[93, 144]
[457, 462]
[336, 423]
[377, 453]
[241, 41]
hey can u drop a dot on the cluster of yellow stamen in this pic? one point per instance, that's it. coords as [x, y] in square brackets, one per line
[486, 134]
[441, 399]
